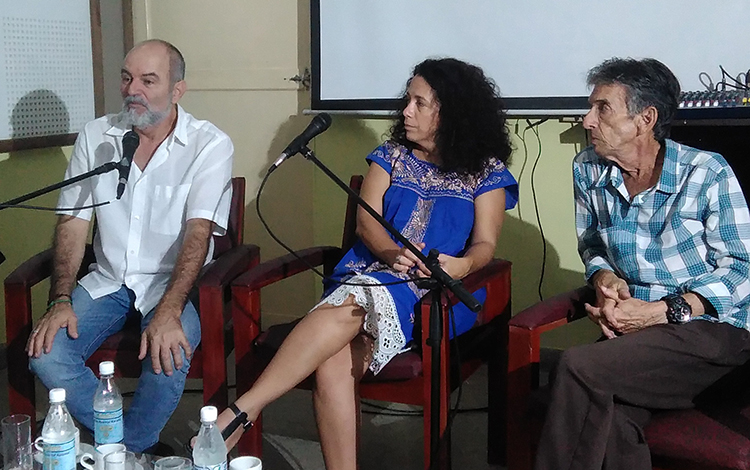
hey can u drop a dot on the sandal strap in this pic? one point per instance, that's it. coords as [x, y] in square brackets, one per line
[240, 418]
[240, 414]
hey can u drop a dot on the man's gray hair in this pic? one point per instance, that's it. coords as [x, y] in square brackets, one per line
[176, 60]
[647, 82]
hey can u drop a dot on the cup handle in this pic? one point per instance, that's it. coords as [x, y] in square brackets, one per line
[39, 444]
[85, 464]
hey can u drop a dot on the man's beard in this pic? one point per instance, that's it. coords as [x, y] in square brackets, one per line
[148, 118]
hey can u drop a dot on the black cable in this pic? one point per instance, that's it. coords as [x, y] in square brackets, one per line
[522, 136]
[44, 208]
[535, 130]
[736, 87]
[725, 74]
[311, 267]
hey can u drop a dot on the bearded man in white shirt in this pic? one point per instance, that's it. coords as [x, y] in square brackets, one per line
[150, 245]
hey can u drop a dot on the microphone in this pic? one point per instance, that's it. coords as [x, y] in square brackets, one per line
[130, 142]
[318, 125]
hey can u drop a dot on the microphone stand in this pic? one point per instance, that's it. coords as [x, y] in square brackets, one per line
[105, 168]
[437, 279]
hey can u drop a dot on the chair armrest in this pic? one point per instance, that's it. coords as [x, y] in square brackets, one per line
[228, 266]
[32, 271]
[213, 287]
[39, 267]
[18, 286]
[18, 313]
[525, 329]
[555, 311]
[495, 276]
[481, 277]
[286, 266]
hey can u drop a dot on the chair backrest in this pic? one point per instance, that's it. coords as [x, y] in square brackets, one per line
[236, 226]
[350, 221]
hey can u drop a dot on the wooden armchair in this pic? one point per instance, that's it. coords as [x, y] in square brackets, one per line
[716, 439]
[406, 379]
[231, 258]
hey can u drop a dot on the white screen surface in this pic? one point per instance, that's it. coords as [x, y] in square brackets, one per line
[532, 49]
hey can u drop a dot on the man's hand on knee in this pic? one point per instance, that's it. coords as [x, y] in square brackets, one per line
[165, 340]
[41, 338]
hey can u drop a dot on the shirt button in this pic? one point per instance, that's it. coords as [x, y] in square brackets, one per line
[132, 252]
[137, 217]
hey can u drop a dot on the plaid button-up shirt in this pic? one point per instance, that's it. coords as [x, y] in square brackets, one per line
[688, 233]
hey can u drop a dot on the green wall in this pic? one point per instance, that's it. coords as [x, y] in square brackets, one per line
[23, 233]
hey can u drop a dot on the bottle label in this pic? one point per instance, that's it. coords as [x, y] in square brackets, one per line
[218, 466]
[60, 456]
[108, 428]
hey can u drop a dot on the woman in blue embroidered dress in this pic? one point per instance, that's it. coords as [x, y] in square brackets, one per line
[442, 182]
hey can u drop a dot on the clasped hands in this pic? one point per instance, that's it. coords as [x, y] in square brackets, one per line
[617, 312]
[405, 261]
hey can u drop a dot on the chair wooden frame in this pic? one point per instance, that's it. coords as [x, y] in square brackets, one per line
[209, 360]
[672, 436]
[414, 390]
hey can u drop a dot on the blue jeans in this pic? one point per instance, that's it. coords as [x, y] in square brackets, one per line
[157, 395]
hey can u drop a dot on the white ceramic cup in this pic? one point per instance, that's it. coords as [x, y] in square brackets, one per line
[246, 463]
[39, 443]
[96, 462]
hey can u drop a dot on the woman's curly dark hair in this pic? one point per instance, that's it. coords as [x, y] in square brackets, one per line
[471, 127]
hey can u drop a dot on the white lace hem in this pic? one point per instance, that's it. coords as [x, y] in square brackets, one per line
[381, 318]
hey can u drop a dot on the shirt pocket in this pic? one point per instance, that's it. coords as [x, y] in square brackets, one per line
[168, 208]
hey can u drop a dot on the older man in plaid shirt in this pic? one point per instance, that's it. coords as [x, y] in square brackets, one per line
[664, 233]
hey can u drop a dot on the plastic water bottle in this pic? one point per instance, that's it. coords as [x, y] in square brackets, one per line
[210, 452]
[108, 427]
[58, 434]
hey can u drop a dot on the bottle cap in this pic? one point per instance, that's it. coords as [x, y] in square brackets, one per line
[106, 368]
[209, 414]
[57, 395]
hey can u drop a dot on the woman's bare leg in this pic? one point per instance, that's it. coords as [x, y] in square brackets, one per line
[322, 333]
[336, 400]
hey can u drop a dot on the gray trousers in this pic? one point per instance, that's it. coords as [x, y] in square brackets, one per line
[603, 394]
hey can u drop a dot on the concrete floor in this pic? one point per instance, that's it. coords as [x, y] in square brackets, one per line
[291, 441]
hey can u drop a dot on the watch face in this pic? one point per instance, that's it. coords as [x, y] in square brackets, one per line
[678, 310]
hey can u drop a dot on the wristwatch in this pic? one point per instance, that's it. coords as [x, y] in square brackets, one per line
[678, 309]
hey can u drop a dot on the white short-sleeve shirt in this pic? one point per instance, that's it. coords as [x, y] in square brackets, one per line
[138, 237]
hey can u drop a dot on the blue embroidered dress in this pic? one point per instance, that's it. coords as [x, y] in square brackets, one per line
[425, 205]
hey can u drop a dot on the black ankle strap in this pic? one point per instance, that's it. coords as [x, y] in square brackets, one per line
[240, 418]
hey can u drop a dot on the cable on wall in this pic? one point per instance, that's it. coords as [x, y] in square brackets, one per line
[534, 127]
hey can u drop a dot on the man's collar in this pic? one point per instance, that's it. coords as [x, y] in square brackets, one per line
[669, 178]
[180, 128]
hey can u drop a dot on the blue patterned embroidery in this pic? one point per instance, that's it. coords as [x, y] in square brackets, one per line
[428, 181]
